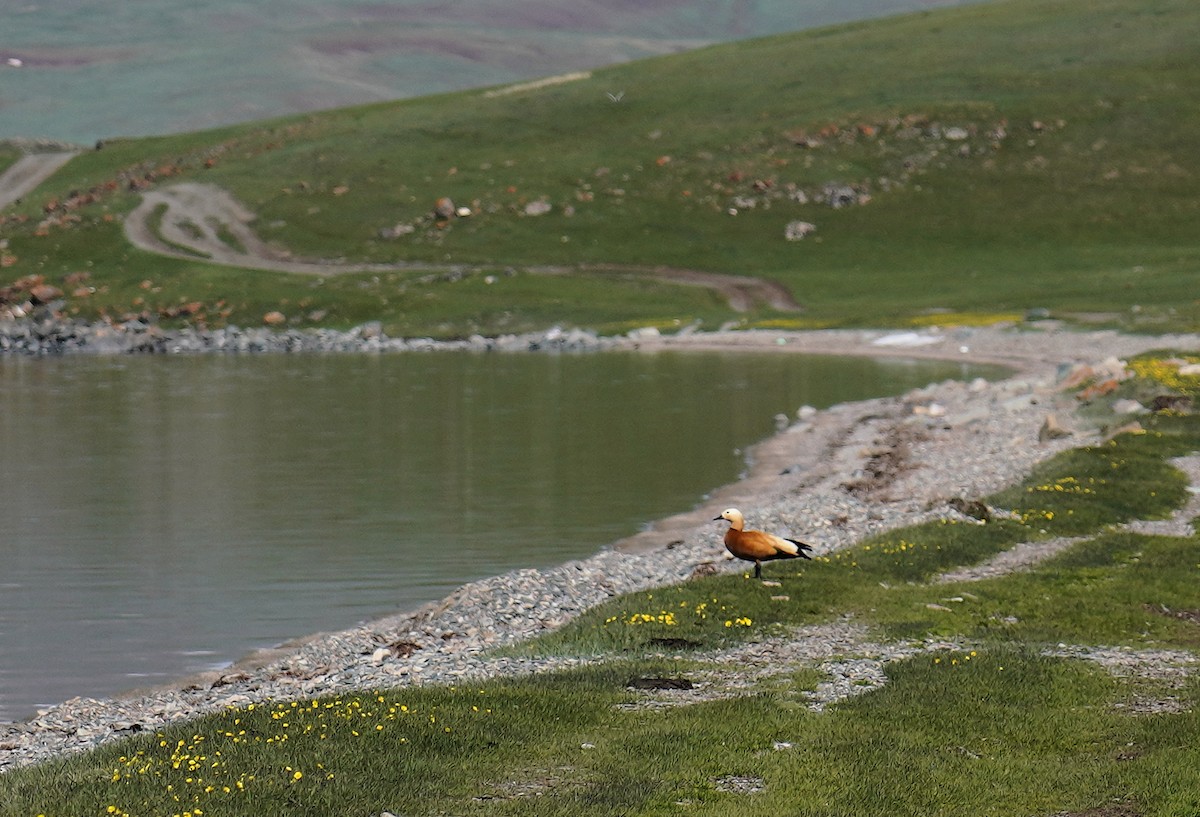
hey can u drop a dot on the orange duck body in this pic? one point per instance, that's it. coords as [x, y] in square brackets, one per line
[758, 546]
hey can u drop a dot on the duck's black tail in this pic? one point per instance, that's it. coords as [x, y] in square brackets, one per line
[801, 548]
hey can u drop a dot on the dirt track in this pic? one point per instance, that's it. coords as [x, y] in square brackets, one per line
[200, 221]
[28, 172]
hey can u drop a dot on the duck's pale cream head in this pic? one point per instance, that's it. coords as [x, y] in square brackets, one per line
[733, 516]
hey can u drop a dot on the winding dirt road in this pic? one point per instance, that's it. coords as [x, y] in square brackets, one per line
[28, 172]
[204, 222]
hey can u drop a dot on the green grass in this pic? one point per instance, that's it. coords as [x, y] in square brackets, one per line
[1086, 215]
[997, 732]
[1113, 589]
[993, 724]
[9, 154]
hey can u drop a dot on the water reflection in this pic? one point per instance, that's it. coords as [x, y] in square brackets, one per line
[162, 515]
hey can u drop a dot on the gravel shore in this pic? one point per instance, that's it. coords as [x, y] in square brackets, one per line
[904, 459]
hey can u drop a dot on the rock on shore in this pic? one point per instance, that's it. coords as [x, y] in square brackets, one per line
[49, 336]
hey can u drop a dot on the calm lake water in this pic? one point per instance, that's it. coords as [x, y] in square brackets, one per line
[164, 515]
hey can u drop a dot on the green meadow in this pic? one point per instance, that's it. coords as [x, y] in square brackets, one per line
[1005, 157]
[8, 155]
[998, 713]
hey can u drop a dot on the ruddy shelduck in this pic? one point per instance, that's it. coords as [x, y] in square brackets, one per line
[756, 545]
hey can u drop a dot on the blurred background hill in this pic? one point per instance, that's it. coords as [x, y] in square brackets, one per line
[81, 70]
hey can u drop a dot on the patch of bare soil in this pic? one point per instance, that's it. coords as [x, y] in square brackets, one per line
[742, 292]
[886, 462]
[205, 222]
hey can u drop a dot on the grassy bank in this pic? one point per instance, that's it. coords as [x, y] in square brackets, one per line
[993, 709]
[8, 156]
[998, 158]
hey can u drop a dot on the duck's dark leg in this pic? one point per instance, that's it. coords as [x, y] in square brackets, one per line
[757, 569]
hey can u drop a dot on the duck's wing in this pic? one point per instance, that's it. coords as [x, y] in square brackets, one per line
[777, 547]
[802, 549]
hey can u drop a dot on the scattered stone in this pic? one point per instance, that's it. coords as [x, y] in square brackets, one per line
[1098, 389]
[972, 508]
[930, 410]
[885, 463]
[371, 330]
[799, 230]
[44, 293]
[1192, 616]
[397, 231]
[1111, 368]
[1127, 406]
[1052, 429]
[907, 339]
[43, 333]
[403, 649]
[838, 196]
[737, 784]
[1171, 402]
[1128, 428]
[643, 333]
[1076, 376]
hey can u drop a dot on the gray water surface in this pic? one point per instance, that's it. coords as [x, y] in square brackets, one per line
[159, 516]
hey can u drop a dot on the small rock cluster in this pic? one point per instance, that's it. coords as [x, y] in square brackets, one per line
[26, 295]
[47, 335]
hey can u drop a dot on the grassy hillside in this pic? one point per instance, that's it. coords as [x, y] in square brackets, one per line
[992, 159]
[8, 155]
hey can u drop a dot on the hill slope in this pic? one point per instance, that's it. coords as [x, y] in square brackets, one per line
[955, 165]
[100, 68]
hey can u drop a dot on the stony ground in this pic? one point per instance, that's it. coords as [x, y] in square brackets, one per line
[830, 478]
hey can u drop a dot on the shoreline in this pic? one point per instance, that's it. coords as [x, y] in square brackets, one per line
[979, 436]
[1026, 356]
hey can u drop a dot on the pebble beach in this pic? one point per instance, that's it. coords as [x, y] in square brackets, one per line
[829, 477]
